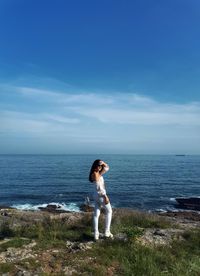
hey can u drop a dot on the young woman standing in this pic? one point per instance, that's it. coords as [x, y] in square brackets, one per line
[101, 199]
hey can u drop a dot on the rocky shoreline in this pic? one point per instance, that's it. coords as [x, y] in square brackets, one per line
[16, 218]
[190, 217]
[150, 236]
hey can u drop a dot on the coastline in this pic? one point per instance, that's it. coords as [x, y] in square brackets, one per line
[35, 242]
[52, 210]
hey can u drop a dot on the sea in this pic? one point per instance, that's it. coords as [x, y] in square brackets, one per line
[142, 182]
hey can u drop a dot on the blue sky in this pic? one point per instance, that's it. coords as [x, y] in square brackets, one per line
[100, 76]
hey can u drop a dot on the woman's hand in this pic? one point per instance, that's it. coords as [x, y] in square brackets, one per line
[104, 167]
[106, 199]
[102, 163]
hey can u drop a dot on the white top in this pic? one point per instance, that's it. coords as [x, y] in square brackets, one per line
[100, 185]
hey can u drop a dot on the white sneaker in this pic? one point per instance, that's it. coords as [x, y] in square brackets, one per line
[108, 235]
[96, 236]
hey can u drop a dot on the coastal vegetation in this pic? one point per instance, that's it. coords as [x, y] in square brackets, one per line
[62, 244]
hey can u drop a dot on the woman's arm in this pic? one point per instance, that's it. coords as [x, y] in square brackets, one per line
[105, 167]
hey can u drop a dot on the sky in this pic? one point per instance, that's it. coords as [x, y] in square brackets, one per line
[99, 77]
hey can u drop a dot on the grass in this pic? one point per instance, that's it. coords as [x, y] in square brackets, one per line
[7, 267]
[6, 231]
[143, 220]
[14, 242]
[110, 257]
[180, 258]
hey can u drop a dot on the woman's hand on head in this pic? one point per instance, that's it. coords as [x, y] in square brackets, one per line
[102, 163]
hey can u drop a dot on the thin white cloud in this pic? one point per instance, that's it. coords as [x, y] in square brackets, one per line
[40, 94]
[117, 108]
[74, 120]
[60, 119]
[64, 97]
[140, 117]
[34, 123]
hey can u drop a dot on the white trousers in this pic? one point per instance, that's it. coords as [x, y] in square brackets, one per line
[99, 201]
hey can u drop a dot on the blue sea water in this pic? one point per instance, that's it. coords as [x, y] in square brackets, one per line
[145, 182]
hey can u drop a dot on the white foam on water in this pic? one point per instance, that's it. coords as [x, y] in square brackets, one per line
[161, 210]
[172, 199]
[62, 206]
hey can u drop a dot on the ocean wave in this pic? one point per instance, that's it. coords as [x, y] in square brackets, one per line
[35, 207]
[166, 209]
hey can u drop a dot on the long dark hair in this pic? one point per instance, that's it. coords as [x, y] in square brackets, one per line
[94, 165]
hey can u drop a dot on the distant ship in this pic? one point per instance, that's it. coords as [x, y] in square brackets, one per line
[189, 202]
[180, 155]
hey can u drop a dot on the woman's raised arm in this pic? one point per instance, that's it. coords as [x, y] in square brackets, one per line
[105, 167]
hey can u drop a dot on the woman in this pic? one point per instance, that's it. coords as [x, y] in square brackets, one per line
[101, 199]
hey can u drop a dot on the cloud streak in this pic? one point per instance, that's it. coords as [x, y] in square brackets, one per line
[142, 117]
[94, 120]
[20, 122]
[117, 108]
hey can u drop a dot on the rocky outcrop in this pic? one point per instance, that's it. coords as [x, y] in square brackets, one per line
[184, 219]
[53, 208]
[17, 218]
[186, 215]
[17, 254]
[155, 237]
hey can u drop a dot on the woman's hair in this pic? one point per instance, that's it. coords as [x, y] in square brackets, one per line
[95, 164]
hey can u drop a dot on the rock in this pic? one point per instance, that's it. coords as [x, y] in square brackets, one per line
[5, 207]
[78, 246]
[55, 251]
[31, 245]
[187, 215]
[121, 237]
[17, 254]
[74, 217]
[53, 208]
[188, 203]
[160, 232]
[4, 213]
[24, 273]
[69, 271]
[159, 236]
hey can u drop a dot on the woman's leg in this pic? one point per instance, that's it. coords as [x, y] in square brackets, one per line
[108, 210]
[97, 211]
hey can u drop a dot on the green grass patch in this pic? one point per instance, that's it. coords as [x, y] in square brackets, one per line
[6, 231]
[53, 233]
[14, 242]
[7, 267]
[179, 258]
[125, 218]
[29, 264]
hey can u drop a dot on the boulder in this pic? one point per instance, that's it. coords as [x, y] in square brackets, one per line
[53, 208]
